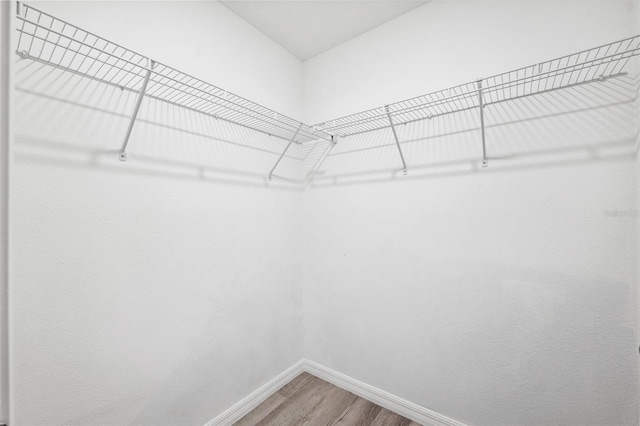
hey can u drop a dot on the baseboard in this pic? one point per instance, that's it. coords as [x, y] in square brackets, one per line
[391, 402]
[384, 399]
[238, 410]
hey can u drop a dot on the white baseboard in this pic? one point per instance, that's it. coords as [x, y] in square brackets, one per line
[238, 410]
[384, 399]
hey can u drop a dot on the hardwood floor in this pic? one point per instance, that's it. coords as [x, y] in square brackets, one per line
[308, 400]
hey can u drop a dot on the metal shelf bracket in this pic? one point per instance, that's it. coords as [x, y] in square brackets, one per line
[395, 136]
[285, 151]
[50, 41]
[481, 103]
[321, 160]
[122, 154]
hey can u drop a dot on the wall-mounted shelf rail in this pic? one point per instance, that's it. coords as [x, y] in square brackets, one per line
[54, 42]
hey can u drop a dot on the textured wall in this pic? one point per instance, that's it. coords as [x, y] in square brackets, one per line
[162, 290]
[440, 45]
[202, 38]
[637, 111]
[498, 296]
[5, 135]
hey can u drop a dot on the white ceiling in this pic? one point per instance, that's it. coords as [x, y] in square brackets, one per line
[307, 28]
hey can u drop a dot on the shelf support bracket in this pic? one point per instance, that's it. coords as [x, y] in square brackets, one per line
[321, 160]
[123, 155]
[481, 102]
[293, 138]
[395, 136]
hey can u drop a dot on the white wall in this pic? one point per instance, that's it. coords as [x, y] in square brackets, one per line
[162, 290]
[500, 296]
[5, 135]
[637, 110]
[165, 289]
[445, 43]
[202, 38]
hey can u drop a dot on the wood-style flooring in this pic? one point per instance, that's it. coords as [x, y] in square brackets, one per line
[308, 400]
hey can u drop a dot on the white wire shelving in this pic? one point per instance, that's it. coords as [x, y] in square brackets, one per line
[593, 65]
[48, 40]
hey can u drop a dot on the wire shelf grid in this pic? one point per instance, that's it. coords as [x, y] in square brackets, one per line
[596, 64]
[49, 40]
[54, 42]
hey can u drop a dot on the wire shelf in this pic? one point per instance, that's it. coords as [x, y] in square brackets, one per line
[51, 41]
[54, 42]
[596, 64]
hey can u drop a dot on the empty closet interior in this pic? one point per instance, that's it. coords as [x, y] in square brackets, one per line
[439, 213]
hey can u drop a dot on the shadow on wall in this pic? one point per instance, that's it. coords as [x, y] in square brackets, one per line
[68, 121]
[581, 124]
